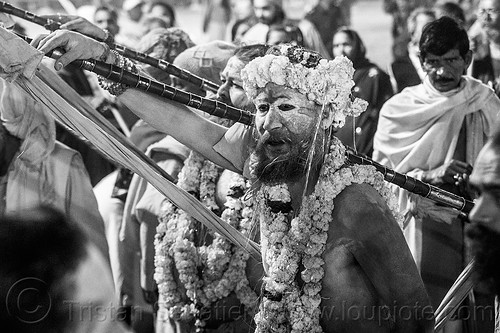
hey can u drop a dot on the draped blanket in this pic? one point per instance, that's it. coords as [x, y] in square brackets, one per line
[418, 130]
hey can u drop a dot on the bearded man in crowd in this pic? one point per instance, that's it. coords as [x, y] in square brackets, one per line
[344, 269]
[484, 233]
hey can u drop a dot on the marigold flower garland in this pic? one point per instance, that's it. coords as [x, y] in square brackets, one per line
[286, 307]
[223, 264]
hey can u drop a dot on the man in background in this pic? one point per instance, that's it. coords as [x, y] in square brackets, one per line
[270, 12]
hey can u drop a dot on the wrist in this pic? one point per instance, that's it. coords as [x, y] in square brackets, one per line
[105, 53]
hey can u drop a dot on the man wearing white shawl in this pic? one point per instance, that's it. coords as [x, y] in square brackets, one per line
[434, 131]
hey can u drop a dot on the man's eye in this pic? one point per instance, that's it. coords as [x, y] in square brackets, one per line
[237, 86]
[286, 107]
[263, 108]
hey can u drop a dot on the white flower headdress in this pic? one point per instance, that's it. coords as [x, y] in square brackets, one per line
[326, 82]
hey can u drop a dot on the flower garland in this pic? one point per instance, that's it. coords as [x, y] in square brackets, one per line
[326, 82]
[286, 307]
[223, 264]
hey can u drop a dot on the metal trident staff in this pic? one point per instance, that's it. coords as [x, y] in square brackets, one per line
[167, 67]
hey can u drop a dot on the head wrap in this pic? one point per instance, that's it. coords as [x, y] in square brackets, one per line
[163, 42]
[29, 121]
[358, 54]
[325, 82]
[206, 60]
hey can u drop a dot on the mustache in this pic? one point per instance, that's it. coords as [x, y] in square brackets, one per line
[443, 80]
[275, 137]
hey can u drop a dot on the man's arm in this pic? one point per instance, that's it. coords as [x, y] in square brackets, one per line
[167, 116]
[179, 121]
[375, 240]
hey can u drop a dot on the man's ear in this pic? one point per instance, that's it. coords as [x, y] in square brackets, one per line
[421, 59]
[468, 59]
[327, 117]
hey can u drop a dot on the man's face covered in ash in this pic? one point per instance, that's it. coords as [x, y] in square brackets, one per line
[484, 231]
[231, 91]
[285, 123]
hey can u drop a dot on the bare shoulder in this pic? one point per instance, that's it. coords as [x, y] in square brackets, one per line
[359, 200]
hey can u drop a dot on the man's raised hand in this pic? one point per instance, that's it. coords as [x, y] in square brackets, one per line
[75, 45]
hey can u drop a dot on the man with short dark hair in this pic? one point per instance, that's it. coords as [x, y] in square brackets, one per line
[434, 131]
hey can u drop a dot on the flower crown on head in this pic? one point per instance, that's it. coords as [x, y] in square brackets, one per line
[326, 82]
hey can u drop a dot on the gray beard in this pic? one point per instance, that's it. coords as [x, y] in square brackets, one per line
[289, 167]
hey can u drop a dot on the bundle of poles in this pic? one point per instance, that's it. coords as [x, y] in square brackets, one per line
[219, 109]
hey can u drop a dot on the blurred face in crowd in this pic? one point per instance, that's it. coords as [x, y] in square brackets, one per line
[489, 16]
[445, 71]
[159, 10]
[342, 45]
[265, 11]
[484, 231]
[241, 9]
[231, 90]
[106, 20]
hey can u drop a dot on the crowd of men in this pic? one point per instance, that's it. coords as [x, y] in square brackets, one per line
[342, 251]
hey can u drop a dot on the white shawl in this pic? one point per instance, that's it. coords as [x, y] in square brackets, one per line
[31, 168]
[418, 130]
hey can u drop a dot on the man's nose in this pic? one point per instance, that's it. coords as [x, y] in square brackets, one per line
[223, 92]
[440, 70]
[272, 120]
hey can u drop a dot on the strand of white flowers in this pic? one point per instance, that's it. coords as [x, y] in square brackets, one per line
[184, 252]
[169, 227]
[302, 306]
